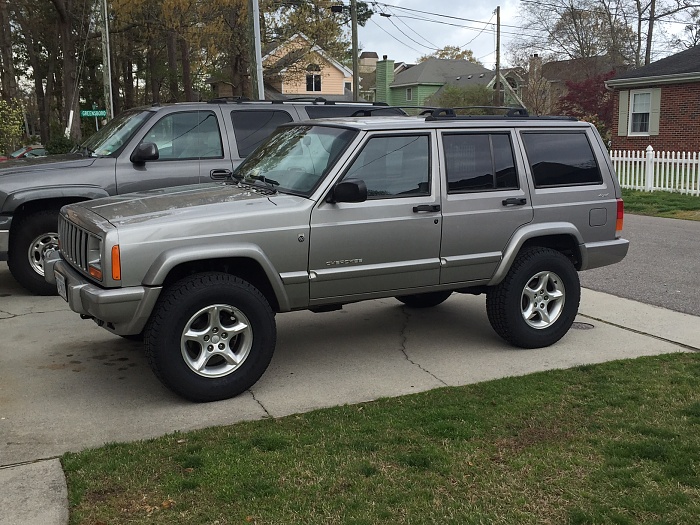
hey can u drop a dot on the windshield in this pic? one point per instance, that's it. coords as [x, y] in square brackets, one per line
[114, 135]
[295, 158]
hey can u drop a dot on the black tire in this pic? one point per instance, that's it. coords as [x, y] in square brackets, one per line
[238, 307]
[31, 237]
[424, 300]
[514, 313]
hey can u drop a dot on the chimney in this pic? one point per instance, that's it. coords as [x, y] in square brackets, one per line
[385, 76]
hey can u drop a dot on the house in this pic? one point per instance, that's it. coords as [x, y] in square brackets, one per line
[659, 105]
[297, 68]
[413, 85]
[300, 68]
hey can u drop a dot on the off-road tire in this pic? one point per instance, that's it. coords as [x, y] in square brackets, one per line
[172, 356]
[555, 278]
[424, 300]
[31, 236]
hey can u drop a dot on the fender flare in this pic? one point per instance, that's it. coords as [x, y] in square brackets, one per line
[19, 198]
[169, 259]
[532, 231]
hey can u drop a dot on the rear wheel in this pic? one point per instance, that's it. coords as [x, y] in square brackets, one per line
[211, 337]
[31, 238]
[424, 300]
[536, 303]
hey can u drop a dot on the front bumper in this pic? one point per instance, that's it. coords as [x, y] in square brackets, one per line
[124, 311]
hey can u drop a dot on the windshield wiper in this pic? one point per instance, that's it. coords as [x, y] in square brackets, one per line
[252, 179]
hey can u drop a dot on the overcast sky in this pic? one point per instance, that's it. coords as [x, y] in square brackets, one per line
[416, 28]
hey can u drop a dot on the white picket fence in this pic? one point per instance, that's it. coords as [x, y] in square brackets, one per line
[658, 170]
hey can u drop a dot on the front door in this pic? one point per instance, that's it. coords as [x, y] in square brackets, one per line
[392, 240]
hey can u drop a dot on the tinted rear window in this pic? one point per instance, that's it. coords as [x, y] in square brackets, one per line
[479, 162]
[561, 159]
[253, 127]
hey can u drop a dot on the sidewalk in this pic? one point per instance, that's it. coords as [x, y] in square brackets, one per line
[98, 389]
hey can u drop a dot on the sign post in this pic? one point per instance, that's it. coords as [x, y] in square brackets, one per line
[93, 113]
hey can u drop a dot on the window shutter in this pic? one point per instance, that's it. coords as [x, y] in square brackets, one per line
[655, 111]
[623, 113]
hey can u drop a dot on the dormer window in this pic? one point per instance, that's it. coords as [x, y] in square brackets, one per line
[313, 77]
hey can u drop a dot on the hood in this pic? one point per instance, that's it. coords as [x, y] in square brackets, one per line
[200, 201]
[69, 161]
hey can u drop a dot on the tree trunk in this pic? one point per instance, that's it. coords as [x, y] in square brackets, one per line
[186, 70]
[7, 68]
[650, 32]
[171, 44]
[71, 98]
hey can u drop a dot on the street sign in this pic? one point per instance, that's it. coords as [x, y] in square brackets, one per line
[93, 112]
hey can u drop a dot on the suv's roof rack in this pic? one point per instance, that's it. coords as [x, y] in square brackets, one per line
[226, 100]
[508, 112]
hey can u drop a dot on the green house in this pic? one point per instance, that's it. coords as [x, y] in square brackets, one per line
[412, 86]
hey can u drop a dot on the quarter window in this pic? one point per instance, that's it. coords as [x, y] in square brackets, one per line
[253, 127]
[561, 159]
[479, 162]
[187, 135]
[640, 111]
[394, 166]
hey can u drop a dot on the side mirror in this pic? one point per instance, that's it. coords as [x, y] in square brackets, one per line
[144, 152]
[350, 190]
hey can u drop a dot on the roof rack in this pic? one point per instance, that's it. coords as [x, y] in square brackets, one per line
[226, 100]
[508, 112]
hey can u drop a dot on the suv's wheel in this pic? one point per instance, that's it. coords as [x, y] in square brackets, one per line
[424, 300]
[33, 235]
[536, 303]
[211, 336]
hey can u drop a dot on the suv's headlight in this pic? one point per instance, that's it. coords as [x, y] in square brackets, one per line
[94, 257]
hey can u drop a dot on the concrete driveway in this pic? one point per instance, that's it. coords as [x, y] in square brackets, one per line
[66, 384]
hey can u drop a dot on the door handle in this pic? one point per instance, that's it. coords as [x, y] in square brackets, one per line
[426, 207]
[514, 201]
[220, 174]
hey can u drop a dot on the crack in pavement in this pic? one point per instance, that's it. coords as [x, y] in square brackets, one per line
[260, 403]
[13, 315]
[404, 339]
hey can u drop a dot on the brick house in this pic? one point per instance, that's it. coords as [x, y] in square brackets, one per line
[659, 105]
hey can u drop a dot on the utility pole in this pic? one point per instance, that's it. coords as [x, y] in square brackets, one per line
[355, 68]
[498, 56]
[258, 84]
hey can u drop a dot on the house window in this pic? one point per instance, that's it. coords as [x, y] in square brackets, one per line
[409, 94]
[313, 77]
[348, 86]
[640, 111]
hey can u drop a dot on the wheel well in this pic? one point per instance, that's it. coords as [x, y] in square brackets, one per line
[563, 243]
[27, 208]
[247, 269]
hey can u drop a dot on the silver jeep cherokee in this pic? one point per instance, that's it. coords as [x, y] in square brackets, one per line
[336, 211]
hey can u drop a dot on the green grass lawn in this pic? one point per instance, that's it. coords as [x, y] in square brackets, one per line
[662, 204]
[611, 443]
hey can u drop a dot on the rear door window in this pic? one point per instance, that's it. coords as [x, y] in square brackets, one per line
[561, 159]
[252, 127]
[479, 162]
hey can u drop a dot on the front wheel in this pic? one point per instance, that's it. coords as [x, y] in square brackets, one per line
[32, 237]
[210, 337]
[537, 302]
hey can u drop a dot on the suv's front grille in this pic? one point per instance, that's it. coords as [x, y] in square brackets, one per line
[74, 244]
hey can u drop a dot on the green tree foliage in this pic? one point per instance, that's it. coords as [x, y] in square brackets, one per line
[456, 97]
[453, 52]
[11, 121]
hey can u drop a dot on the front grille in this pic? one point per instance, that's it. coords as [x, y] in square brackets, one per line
[74, 244]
